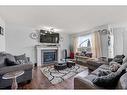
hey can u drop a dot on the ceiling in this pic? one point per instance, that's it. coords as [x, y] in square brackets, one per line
[70, 19]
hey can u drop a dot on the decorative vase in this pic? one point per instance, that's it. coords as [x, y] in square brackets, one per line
[72, 55]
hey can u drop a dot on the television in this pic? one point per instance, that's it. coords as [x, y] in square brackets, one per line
[49, 37]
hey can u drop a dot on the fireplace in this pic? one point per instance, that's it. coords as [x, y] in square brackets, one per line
[49, 56]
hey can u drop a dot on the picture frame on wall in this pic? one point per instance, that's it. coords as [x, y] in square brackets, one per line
[1, 30]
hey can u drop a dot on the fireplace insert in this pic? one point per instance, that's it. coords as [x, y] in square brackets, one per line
[49, 56]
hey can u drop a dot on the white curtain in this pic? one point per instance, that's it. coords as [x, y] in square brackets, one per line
[75, 43]
[96, 45]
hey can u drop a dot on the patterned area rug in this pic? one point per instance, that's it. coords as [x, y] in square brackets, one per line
[55, 76]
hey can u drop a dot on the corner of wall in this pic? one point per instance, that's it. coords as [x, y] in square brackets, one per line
[2, 37]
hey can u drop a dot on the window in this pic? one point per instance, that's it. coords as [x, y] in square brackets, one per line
[84, 42]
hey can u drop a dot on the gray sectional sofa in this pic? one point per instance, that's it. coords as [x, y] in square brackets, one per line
[91, 63]
[27, 68]
[86, 82]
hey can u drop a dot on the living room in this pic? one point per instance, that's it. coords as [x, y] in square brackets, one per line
[63, 47]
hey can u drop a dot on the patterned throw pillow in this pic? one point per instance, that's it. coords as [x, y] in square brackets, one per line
[118, 59]
[114, 67]
[21, 59]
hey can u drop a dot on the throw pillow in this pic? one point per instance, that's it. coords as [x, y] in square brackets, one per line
[109, 81]
[118, 58]
[21, 59]
[9, 62]
[114, 67]
[103, 59]
[103, 72]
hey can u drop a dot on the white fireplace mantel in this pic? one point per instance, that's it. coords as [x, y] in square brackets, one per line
[39, 48]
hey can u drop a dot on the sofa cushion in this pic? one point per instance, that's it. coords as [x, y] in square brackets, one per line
[100, 72]
[2, 60]
[103, 72]
[122, 82]
[7, 69]
[105, 67]
[105, 59]
[8, 62]
[123, 67]
[109, 81]
[21, 59]
[10, 57]
[91, 77]
[95, 63]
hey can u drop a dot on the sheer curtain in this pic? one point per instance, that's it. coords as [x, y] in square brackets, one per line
[75, 44]
[96, 45]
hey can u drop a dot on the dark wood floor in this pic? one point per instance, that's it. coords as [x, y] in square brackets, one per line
[39, 81]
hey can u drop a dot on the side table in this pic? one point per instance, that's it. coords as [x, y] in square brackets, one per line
[13, 75]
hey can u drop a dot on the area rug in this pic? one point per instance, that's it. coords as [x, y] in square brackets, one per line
[55, 76]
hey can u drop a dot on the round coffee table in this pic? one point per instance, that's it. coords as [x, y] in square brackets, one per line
[60, 66]
[13, 75]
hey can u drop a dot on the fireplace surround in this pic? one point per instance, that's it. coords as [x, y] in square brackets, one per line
[47, 54]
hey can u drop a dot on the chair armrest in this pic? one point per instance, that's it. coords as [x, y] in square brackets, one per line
[83, 83]
[15, 68]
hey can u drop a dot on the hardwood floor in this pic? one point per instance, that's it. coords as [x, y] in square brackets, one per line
[39, 81]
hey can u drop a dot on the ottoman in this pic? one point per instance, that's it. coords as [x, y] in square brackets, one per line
[70, 64]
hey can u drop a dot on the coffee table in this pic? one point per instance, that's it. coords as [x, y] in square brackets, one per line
[60, 66]
[13, 75]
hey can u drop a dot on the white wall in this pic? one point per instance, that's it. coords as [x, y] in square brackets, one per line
[65, 44]
[118, 40]
[125, 42]
[2, 37]
[18, 41]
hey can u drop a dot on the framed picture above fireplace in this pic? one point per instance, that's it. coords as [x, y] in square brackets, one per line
[1, 30]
